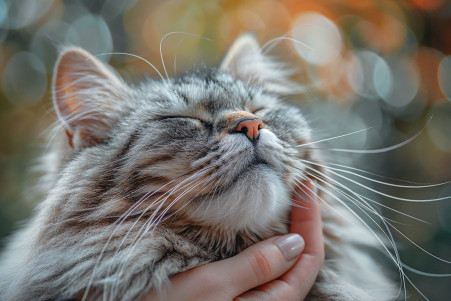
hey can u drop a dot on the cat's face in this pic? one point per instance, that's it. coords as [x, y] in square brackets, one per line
[217, 147]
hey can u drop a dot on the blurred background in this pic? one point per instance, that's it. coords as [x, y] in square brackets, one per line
[383, 65]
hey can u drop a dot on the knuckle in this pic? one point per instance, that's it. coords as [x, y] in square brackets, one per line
[260, 266]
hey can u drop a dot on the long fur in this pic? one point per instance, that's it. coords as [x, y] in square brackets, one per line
[143, 182]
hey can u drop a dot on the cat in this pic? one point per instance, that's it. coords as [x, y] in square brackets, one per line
[145, 181]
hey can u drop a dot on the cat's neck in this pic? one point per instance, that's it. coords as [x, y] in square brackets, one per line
[225, 242]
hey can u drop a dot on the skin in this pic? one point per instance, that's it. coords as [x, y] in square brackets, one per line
[261, 271]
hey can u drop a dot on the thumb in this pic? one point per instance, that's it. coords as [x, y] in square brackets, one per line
[260, 263]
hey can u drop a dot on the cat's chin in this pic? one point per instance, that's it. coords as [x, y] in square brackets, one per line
[257, 198]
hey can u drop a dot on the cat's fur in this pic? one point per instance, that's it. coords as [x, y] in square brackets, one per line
[126, 154]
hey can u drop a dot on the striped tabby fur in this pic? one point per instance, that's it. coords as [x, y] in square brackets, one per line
[143, 182]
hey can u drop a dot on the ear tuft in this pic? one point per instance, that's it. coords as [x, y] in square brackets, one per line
[244, 49]
[86, 96]
[246, 61]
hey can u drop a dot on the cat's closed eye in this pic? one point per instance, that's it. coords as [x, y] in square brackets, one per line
[203, 123]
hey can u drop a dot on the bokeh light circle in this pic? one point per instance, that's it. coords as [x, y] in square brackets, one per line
[321, 36]
[406, 82]
[24, 69]
[91, 33]
[111, 9]
[439, 129]
[382, 78]
[444, 76]
[371, 76]
[26, 12]
[4, 21]
[44, 42]
[3, 12]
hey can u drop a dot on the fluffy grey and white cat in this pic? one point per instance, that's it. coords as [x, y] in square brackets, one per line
[143, 182]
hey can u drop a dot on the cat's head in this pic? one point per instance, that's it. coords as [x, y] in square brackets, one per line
[215, 147]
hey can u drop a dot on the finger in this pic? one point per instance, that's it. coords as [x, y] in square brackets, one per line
[261, 263]
[307, 222]
[297, 282]
[273, 290]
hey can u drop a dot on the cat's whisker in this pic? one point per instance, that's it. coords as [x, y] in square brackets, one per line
[302, 199]
[184, 205]
[143, 199]
[161, 200]
[180, 196]
[329, 181]
[140, 201]
[321, 188]
[396, 260]
[297, 205]
[335, 137]
[153, 222]
[418, 272]
[386, 233]
[330, 193]
[422, 249]
[164, 217]
[135, 56]
[384, 149]
[360, 203]
[130, 229]
[213, 193]
[378, 203]
[101, 255]
[172, 33]
[175, 54]
[381, 193]
[384, 220]
[55, 129]
[347, 196]
[415, 185]
[275, 40]
[272, 43]
[146, 196]
[366, 207]
[391, 209]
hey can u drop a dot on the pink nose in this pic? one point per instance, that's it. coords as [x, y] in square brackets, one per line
[250, 128]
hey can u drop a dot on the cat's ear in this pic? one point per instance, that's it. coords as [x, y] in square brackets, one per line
[246, 61]
[85, 97]
[243, 56]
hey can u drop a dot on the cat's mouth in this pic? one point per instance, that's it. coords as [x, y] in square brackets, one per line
[254, 163]
[252, 166]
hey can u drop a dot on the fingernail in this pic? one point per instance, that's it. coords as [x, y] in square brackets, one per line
[291, 245]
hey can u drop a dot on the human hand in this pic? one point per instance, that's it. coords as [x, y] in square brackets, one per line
[273, 269]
